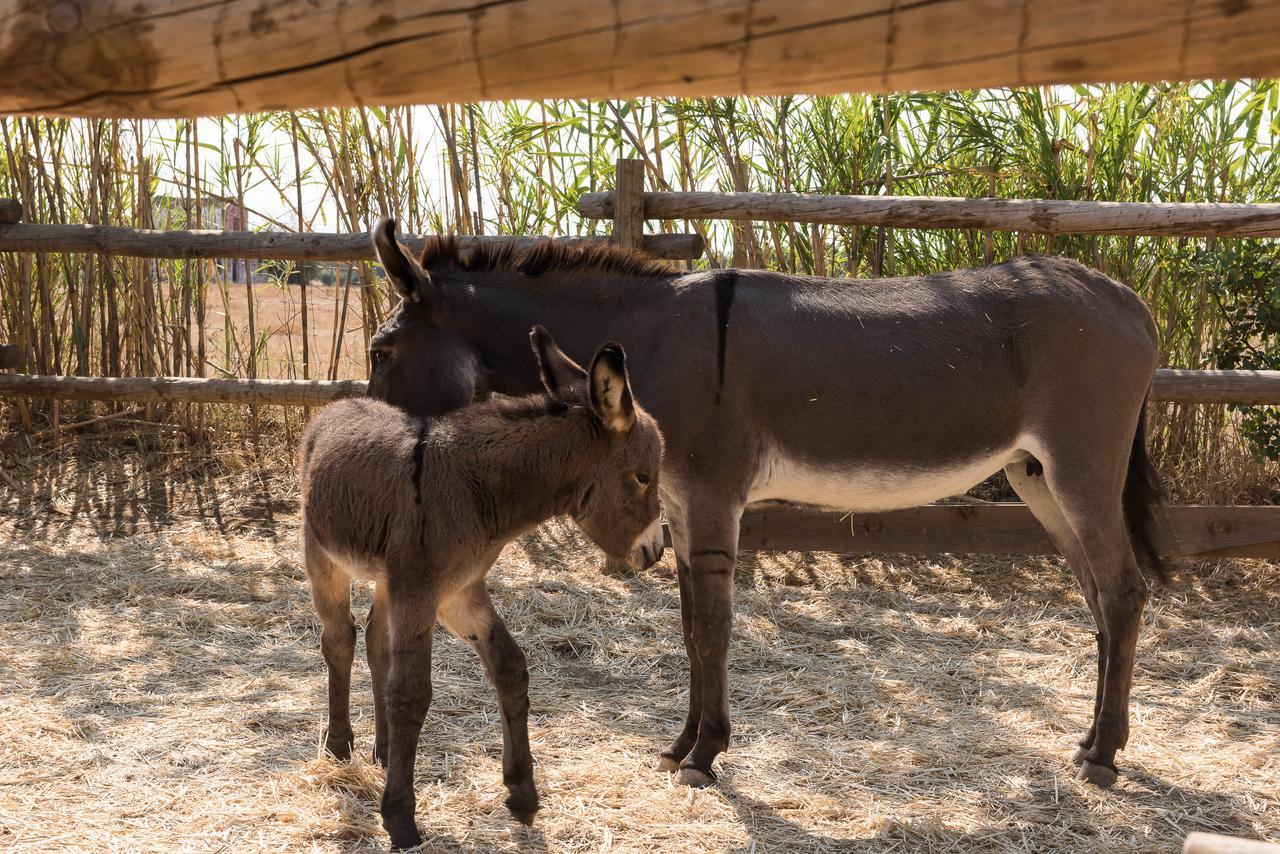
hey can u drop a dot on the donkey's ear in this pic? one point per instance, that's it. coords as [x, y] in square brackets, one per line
[611, 388]
[556, 370]
[405, 274]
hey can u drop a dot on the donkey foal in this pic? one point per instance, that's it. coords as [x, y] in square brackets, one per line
[422, 507]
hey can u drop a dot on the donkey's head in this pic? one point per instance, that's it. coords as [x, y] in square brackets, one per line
[616, 502]
[417, 361]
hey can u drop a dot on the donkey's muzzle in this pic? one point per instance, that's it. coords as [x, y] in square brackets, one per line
[650, 545]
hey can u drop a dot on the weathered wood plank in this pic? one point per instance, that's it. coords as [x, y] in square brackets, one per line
[1045, 216]
[180, 389]
[1203, 531]
[1213, 843]
[628, 214]
[10, 211]
[1249, 387]
[190, 57]
[267, 245]
[1246, 387]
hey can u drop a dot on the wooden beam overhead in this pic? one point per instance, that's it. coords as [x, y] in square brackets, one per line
[163, 58]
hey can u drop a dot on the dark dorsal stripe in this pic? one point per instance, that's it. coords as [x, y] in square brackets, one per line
[419, 448]
[726, 284]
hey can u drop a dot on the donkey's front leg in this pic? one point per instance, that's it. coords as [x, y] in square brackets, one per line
[331, 595]
[713, 550]
[470, 615]
[377, 645]
[411, 618]
[680, 748]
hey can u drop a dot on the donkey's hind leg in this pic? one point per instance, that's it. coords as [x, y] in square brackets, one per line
[1090, 499]
[470, 615]
[1028, 481]
[331, 595]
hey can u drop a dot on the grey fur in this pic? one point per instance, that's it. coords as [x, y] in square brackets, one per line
[1039, 365]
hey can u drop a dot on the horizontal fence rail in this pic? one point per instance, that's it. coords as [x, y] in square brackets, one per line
[269, 245]
[181, 389]
[194, 57]
[1175, 386]
[1044, 216]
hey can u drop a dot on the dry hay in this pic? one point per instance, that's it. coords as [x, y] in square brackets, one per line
[163, 690]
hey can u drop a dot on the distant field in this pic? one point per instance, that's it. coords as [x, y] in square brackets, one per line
[278, 315]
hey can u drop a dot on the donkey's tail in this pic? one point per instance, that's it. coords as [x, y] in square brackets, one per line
[1143, 495]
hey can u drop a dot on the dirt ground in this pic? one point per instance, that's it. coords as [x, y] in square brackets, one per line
[163, 690]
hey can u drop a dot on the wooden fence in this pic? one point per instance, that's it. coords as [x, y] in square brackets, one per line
[193, 57]
[959, 528]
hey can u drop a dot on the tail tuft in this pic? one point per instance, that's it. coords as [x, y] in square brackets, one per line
[1143, 495]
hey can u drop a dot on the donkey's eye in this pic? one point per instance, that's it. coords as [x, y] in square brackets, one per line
[377, 358]
[642, 478]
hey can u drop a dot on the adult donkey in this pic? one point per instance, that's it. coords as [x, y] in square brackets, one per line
[857, 396]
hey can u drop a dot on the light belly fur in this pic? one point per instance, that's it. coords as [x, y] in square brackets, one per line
[358, 567]
[864, 488]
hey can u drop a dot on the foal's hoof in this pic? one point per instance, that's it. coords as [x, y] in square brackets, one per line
[1077, 758]
[522, 802]
[405, 840]
[668, 764]
[694, 778]
[1099, 775]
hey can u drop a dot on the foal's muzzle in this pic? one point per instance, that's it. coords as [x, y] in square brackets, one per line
[650, 545]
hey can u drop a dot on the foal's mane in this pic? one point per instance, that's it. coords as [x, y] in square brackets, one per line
[444, 252]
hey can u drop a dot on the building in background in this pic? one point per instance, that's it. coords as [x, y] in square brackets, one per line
[176, 212]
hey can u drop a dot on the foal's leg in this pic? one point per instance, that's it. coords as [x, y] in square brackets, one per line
[1034, 492]
[377, 643]
[680, 748]
[1097, 518]
[331, 595]
[713, 551]
[470, 615]
[411, 618]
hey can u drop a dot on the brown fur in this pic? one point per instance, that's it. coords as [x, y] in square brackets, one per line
[422, 507]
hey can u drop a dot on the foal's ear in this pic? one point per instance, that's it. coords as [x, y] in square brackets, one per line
[611, 388]
[405, 274]
[556, 370]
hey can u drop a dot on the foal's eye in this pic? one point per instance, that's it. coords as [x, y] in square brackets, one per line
[642, 478]
[377, 358]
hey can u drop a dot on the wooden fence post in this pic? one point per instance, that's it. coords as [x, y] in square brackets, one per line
[628, 204]
[628, 230]
[1212, 843]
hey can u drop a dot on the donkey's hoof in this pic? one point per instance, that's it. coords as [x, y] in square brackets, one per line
[523, 804]
[668, 764]
[339, 746]
[1078, 757]
[405, 840]
[1099, 775]
[694, 778]
[525, 818]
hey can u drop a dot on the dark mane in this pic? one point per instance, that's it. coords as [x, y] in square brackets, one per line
[445, 253]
